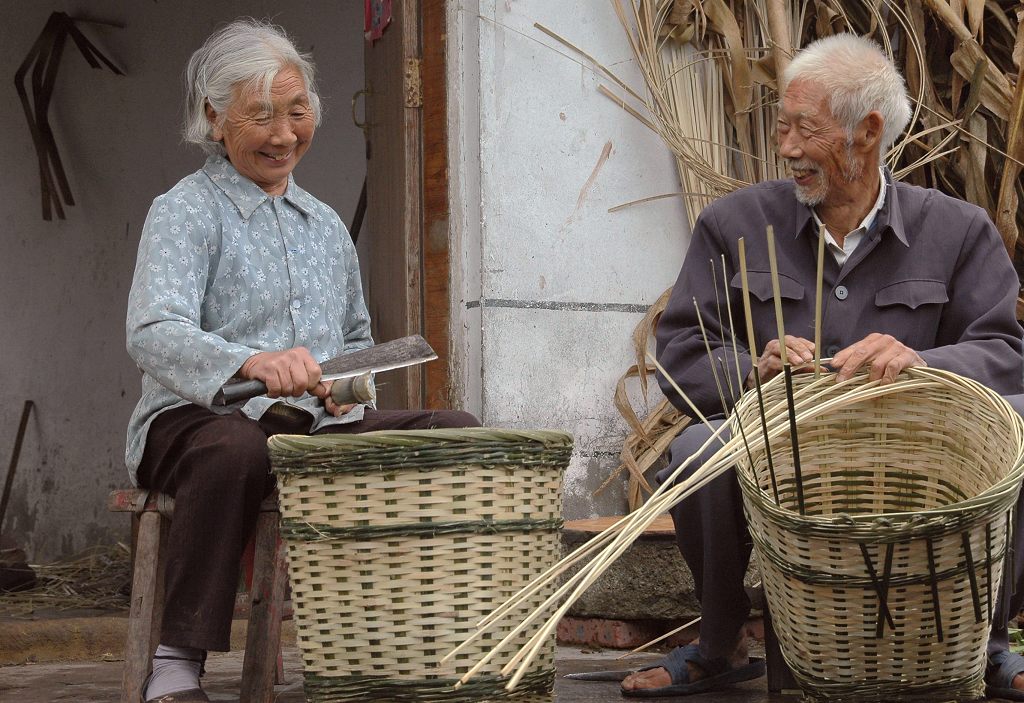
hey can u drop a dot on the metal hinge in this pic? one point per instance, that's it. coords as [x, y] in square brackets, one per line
[413, 83]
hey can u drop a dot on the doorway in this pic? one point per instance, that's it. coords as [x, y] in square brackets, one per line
[407, 267]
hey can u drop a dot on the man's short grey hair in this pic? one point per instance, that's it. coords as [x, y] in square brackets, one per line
[247, 53]
[858, 77]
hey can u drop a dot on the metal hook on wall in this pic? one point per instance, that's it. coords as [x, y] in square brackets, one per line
[43, 60]
[355, 101]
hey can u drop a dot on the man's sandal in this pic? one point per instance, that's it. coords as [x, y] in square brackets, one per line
[717, 674]
[1003, 668]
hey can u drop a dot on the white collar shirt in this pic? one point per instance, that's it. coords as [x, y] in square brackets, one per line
[850, 242]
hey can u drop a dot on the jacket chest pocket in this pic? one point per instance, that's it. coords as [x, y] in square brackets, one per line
[762, 304]
[911, 311]
[760, 284]
[912, 294]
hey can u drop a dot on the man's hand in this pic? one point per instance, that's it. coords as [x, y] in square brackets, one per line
[288, 373]
[886, 355]
[769, 363]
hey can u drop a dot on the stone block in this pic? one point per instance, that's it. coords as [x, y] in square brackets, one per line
[649, 581]
[621, 634]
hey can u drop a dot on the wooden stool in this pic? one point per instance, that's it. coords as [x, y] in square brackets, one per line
[150, 523]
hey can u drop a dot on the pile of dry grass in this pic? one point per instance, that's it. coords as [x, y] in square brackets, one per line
[95, 579]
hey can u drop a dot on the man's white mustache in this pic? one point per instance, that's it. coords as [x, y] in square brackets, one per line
[802, 165]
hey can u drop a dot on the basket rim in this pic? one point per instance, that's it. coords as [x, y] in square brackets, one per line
[995, 498]
[388, 439]
[393, 451]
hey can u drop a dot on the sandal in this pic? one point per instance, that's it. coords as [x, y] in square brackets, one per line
[717, 674]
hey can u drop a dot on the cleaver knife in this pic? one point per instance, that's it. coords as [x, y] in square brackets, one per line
[396, 354]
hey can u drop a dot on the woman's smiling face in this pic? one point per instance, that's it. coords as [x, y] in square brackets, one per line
[265, 141]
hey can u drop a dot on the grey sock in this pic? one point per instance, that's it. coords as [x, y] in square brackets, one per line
[174, 669]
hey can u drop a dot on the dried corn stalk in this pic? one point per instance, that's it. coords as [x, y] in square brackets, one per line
[648, 439]
[710, 70]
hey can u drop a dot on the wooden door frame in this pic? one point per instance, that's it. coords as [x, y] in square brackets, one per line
[436, 274]
[407, 193]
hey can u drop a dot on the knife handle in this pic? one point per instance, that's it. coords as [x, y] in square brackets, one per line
[355, 389]
[231, 393]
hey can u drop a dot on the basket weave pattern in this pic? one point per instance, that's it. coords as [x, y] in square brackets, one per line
[883, 590]
[399, 542]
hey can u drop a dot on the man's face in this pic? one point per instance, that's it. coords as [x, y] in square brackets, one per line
[266, 141]
[816, 147]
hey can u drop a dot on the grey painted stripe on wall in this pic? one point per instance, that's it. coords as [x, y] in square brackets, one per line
[556, 305]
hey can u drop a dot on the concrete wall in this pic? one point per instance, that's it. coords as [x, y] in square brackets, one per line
[547, 285]
[551, 284]
[64, 284]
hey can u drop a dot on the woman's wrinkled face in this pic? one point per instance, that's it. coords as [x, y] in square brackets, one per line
[265, 141]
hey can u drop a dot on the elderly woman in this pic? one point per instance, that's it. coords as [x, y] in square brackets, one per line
[240, 274]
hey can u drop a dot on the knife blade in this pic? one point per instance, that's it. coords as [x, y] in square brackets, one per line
[396, 354]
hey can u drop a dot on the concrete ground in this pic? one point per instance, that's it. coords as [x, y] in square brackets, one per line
[62, 657]
[98, 680]
[79, 659]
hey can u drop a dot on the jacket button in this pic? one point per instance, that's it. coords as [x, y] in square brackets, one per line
[842, 293]
[832, 350]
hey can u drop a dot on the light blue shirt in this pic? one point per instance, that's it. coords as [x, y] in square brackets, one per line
[226, 271]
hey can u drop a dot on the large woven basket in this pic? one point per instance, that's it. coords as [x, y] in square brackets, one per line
[399, 542]
[884, 589]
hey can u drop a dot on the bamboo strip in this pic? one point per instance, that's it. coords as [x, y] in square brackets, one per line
[808, 405]
[711, 359]
[787, 368]
[819, 281]
[756, 360]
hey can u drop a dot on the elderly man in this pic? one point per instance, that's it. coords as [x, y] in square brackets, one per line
[242, 274]
[913, 278]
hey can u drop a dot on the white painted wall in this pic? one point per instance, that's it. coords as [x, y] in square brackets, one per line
[64, 284]
[551, 284]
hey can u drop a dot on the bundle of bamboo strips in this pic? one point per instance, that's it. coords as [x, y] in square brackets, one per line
[811, 400]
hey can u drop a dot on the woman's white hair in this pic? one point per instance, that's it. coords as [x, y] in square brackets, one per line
[247, 53]
[858, 77]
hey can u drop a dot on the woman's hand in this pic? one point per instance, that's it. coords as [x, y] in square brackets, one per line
[323, 391]
[288, 373]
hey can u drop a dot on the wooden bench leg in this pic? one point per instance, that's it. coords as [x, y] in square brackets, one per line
[263, 638]
[146, 611]
[780, 676]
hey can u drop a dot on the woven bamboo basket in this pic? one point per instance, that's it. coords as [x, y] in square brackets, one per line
[400, 542]
[884, 589]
